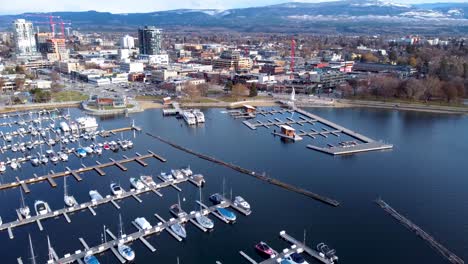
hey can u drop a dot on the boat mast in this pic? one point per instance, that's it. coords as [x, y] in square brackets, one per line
[178, 201]
[33, 257]
[23, 204]
[201, 208]
[121, 225]
[65, 193]
[49, 247]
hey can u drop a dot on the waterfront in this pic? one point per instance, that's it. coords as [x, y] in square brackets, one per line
[423, 177]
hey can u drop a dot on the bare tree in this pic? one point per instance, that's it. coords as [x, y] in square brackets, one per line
[240, 90]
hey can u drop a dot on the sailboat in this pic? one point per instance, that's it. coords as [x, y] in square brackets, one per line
[125, 251]
[202, 219]
[69, 200]
[177, 211]
[24, 209]
[33, 257]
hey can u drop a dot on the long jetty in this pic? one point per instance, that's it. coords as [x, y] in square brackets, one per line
[263, 177]
[451, 257]
[141, 233]
[75, 173]
[132, 193]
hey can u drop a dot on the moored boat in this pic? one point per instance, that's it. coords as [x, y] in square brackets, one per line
[137, 183]
[179, 230]
[116, 189]
[240, 202]
[41, 207]
[227, 214]
[95, 195]
[148, 180]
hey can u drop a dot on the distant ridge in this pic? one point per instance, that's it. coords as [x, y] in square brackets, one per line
[349, 16]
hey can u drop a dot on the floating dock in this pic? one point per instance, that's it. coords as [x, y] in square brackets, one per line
[175, 110]
[50, 177]
[451, 257]
[262, 177]
[109, 245]
[133, 193]
[365, 143]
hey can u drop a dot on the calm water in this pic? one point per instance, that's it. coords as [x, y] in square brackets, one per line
[424, 177]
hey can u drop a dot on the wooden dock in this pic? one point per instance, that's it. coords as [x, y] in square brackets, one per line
[451, 257]
[259, 176]
[109, 245]
[133, 193]
[50, 177]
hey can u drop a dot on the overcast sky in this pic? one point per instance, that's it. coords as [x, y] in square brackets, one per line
[126, 6]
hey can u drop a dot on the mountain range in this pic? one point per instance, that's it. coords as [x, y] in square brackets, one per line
[347, 16]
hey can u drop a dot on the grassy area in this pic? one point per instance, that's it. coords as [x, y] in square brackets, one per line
[407, 101]
[109, 107]
[65, 96]
[232, 99]
[198, 100]
[149, 97]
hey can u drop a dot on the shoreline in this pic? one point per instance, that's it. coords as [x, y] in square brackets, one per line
[340, 103]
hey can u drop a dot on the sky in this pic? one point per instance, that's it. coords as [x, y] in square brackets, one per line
[126, 6]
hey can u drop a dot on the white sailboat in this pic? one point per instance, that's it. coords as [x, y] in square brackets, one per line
[125, 251]
[201, 218]
[24, 209]
[69, 200]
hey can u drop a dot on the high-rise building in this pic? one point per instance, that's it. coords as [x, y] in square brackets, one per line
[127, 42]
[150, 39]
[25, 43]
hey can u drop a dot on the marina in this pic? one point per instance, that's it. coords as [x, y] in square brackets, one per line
[359, 144]
[75, 172]
[138, 235]
[133, 193]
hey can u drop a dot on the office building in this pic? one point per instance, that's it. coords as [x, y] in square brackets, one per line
[127, 42]
[150, 39]
[25, 43]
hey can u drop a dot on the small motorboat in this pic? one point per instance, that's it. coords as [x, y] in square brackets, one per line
[106, 146]
[14, 148]
[137, 183]
[2, 167]
[240, 202]
[126, 252]
[51, 142]
[198, 179]
[187, 171]
[179, 230]
[129, 144]
[295, 258]
[177, 211]
[41, 207]
[95, 195]
[14, 164]
[85, 136]
[8, 137]
[265, 250]
[69, 200]
[204, 221]
[166, 177]
[216, 198]
[81, 152]
[24, 209]
[116, 189]
[177, 174]
[35, 161]
[143, 223]
[148, 180]
[54, 158]
[63, 156]
[227, 214]
[90, 259]
[44, 159]
[97, 150]
[88, 150]
[123, 144]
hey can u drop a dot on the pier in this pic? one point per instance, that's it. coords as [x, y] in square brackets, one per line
[132, 193]
[262, 177]
[50, 177]
[141, 233]
[451, 257]
[296, 247]
[175, 110]
[41, 118]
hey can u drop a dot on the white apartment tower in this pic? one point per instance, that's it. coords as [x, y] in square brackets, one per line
[127, 42]
[25, 43]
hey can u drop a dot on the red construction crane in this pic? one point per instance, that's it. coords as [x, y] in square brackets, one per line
[293, 54]
[51, 20]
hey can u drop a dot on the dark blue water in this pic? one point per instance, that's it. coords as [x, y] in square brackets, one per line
[424, 177]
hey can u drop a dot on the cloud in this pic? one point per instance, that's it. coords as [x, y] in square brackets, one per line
[124, 6]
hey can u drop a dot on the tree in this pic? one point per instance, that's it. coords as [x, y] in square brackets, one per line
[413, 61]
[369, 57]
[19, 69]
[432, 88]
[55, 76]
[253, 90]
[239, 90]
[2, 83]
[413, 89]
[192, 91]
[19, 82]
[229, 85]
[453, 89]
[393, 56]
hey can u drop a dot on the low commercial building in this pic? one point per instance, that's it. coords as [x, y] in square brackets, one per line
[402, 71]
[41, 84]
[132, 67]
[68, 66]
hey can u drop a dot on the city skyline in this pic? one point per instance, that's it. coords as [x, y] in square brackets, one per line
[120, 6]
